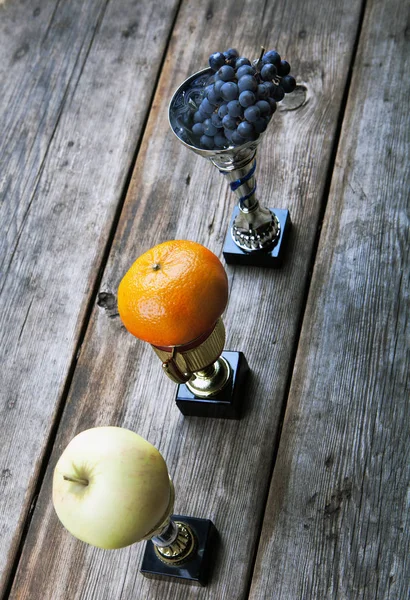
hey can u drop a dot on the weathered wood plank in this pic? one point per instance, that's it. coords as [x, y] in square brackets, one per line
[220, 469]
[77, 79]
[337, 519]
[36, 69]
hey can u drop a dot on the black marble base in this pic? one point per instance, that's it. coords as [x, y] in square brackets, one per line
[227, 403]
[259, 258]
[196, 569]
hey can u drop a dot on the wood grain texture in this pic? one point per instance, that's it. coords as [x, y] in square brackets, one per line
[77, 79]
[337, 520]
[220, 469]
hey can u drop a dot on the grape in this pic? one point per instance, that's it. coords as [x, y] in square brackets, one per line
[228, 134]
[231, 55]
[237, 138]
[240, 62]
[264, 108]
[207, 142]
[247, 98]
[220, 140]
[198, 117]
[278, 93]
[252, 113]
[247, 82]
[203, 115]
[209, 129]
[217, 87]
[226, 73]
[217, 121]
[245, 70]
[284, 68]
[229, 91]
[235, 109]
[288, 83]
[260, 125]
[212, 96]
[198, 129]
[229, 122]
[271, 57]
[272, 104]
[206, 107]
[216, 60]
[245, 130]
[268, 72]
[270, 87]
[223, 111]
[262, 92]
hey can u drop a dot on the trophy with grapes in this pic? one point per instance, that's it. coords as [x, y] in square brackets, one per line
[221, 114]
[111, 488]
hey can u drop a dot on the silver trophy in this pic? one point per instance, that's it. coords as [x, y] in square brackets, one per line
[257, 234]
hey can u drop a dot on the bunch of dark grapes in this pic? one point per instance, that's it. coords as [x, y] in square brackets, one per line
[240, 99]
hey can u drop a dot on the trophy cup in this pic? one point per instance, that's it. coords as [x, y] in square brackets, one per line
[111, 488]
[231, 103]
[172, 297]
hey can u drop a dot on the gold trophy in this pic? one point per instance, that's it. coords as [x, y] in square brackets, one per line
[111, 488]
[172, 297]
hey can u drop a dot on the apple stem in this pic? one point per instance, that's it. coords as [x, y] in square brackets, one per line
[76, 479]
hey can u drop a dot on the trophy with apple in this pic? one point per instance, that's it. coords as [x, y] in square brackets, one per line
[173, 297]
[111, 488]
[221, 113]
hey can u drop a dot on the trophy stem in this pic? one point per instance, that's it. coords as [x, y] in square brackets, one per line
[175, 543]
[211, 380]
[167, 535]
[207, 373]
[255, 227]
[242, 181]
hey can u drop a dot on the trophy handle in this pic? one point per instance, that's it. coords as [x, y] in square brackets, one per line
[180, 362]
[173, 371]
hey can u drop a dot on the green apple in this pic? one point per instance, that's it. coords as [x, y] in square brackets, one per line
[110, 487]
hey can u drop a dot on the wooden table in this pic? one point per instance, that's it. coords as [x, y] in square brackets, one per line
[307, 490]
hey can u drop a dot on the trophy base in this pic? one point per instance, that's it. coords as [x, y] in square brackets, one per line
[196, 569]
[226, 404]
[259, 258]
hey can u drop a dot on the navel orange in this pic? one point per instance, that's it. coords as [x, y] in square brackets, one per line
[173, 293]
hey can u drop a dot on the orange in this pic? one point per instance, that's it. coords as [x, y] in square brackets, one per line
[173, 293]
